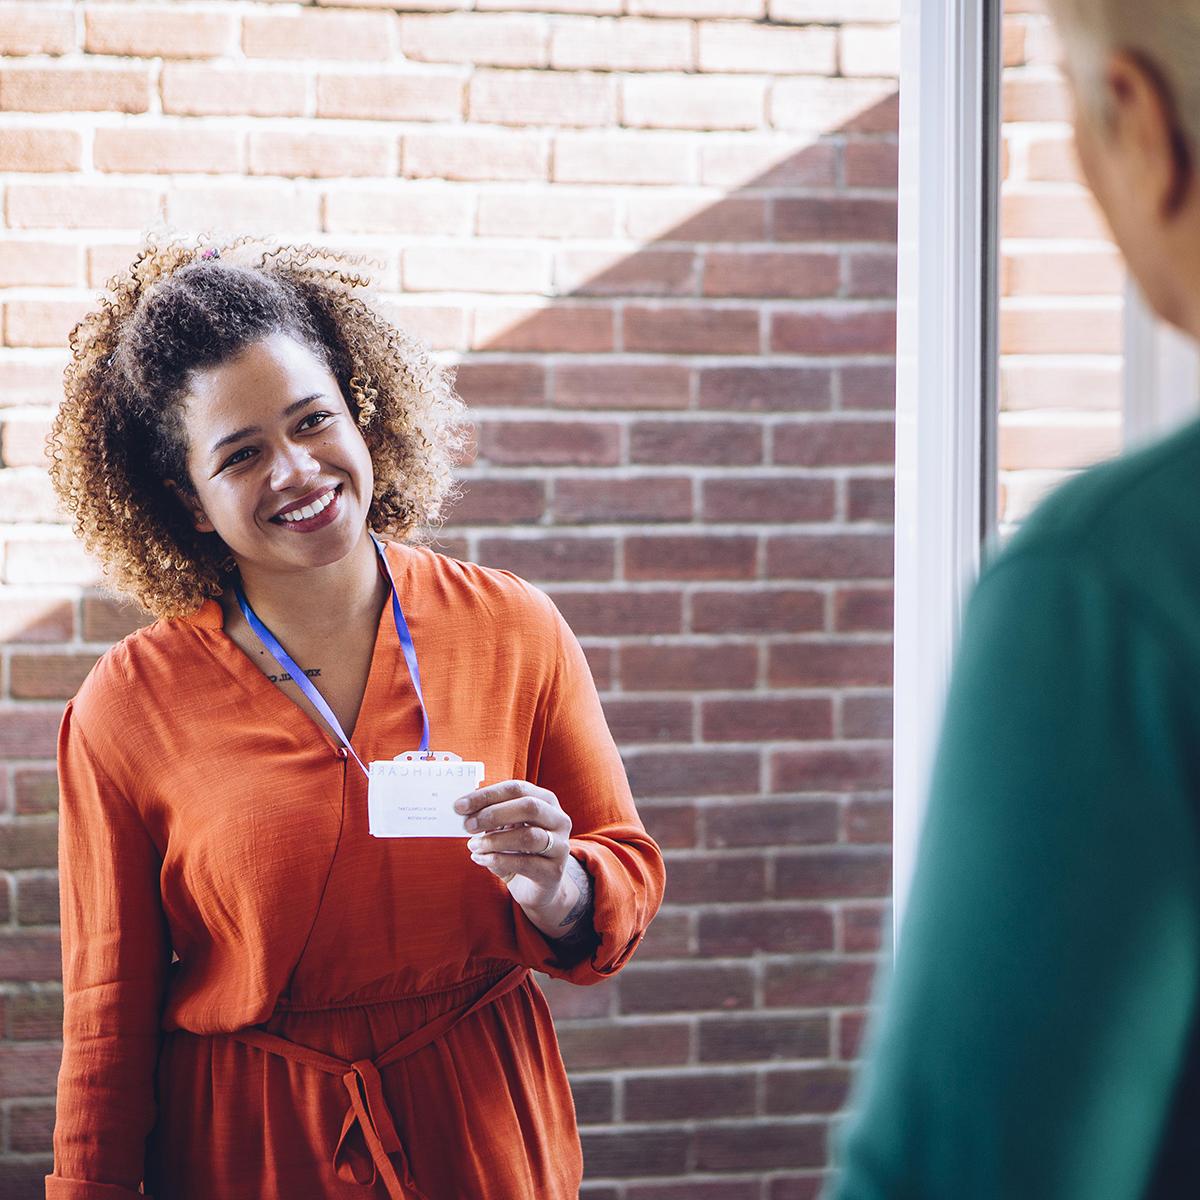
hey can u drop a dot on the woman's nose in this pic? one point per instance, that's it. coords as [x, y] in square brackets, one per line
[293, 467]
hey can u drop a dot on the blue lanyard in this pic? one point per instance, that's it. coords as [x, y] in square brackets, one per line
[302, 681]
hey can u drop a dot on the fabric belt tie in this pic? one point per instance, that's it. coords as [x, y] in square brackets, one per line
[369, 1135]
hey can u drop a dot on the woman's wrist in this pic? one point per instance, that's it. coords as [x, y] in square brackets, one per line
[568, 918]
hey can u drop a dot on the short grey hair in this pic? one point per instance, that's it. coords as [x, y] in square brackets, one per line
[1165, 33]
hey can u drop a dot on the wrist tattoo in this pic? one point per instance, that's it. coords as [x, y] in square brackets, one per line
[577, 925]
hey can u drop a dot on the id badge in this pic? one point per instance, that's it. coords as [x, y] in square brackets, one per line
[413, 794]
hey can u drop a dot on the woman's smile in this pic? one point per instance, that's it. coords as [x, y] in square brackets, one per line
[312, 512]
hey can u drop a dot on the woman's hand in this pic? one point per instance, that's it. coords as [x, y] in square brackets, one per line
[521, 834]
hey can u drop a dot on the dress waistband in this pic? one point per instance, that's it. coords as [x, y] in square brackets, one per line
[368, 1132]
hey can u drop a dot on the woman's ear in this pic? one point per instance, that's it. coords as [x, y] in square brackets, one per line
[189, 501]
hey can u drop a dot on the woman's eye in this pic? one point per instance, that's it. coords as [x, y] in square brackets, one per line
[314, 419]
[238, 457]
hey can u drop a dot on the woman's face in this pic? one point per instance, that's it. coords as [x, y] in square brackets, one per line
[278, 467]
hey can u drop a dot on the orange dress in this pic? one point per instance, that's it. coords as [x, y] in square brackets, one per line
[348, 1016]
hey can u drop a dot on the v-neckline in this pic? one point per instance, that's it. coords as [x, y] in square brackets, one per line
[244, 664]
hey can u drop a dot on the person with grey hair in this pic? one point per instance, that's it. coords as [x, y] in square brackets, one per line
[1038, 1036]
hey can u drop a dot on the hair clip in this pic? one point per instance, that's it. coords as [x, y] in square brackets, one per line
[211, 252]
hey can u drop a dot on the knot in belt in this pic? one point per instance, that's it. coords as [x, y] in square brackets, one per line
[369, 1138]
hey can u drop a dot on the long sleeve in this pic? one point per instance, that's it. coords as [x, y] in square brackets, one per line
[1036, 1027]
[116, 951]
[580, 763]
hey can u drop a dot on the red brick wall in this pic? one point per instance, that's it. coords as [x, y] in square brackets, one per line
[661, 246]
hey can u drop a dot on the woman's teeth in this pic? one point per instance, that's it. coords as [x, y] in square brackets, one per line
[310, 510]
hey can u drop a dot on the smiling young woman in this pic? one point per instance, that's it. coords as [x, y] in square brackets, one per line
[276, 983]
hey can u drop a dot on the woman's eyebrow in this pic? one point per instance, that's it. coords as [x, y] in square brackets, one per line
[238, 434]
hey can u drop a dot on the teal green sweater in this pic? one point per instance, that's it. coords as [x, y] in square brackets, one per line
[1038, 1034]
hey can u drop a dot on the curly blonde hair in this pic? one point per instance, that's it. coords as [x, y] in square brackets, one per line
[184, 306]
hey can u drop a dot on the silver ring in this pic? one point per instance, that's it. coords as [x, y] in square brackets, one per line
[549, 842]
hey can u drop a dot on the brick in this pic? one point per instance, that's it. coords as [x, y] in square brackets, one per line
[27, 845]
[807, 1090]
[23, 441]
[609, 1044]
[694, 1189]
[1034, 384]
[1099, 272]
[42, 322]
[750, 929]
[35, 1014]
[577, 443]
[690, 666]
[1014, 49]
[75, 89]
[1046, 329]
[40, 150]
[159, 31]
[391, 96]
[816, 219]
[766, 719]
[863, 610]
[501, 383]
[600, 663]
[682, 988]
[692, 773]
[862, 928]
[35, 792]
[319, 155]
[499, 502]
[871, 275]
[766, 389]
[834, 105]
[770, 1147]
[218, 89]
[110, 618]
[691, 330]
[574, 1003]
[752, 9]
[244, 206]
[766, 161]
[1034, 98]
[29, 493]
[763, 1038]
[36, 28]
[621, 44]
[706, 556]
[610, 384]
[37, 900]
[673, 827]
[475, 38]
[635, 722]
[1057, 445]
[475, 154]
[834, 874]
[549, 213]
[770, 273]
[541, 98]
[751, 499]
[847, 443]
[48, 561]
[715, 879]
[638, 499]
[834, 12]
[595, 1100]
[765, 49]
[474, 269]
[830, 664]
[80, 206]
[31, 377]
[873, 164]
[1052, 158]
[1052, 212]
[312, 33]
[841, 768]
[868, 386]
[619, 273]
[414, 209]
[551, 558]
[771, 823]
[635, 1152]
[48, 676]
[31, 1127]
[38, 264]
[758, 611]
[689, 1096]
[867, 716]
[598, 7]
[693, 102]
[24, 1176]
[28, 1070]
[870, 50]
[673, 215]
[830, 556]
[870, 499]
[851, 1030]
[836, 332]
[619, 613]
[178, 150]
[707, 443]
[819, 984]
[31, 616]
[571, 328]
